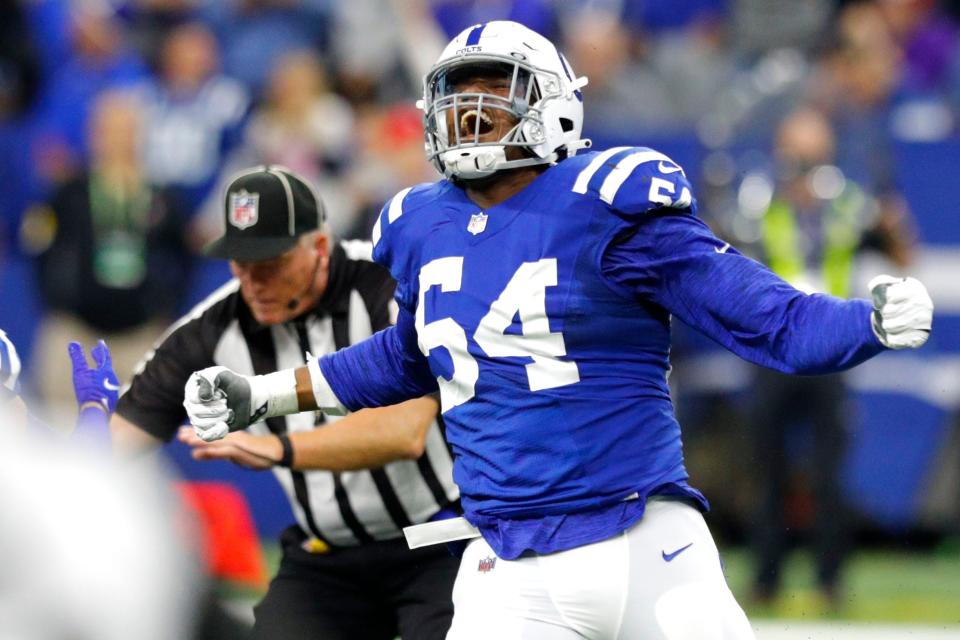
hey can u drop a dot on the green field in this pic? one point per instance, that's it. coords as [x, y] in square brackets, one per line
[881, 586]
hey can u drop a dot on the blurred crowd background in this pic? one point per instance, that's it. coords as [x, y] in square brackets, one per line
[121, 120]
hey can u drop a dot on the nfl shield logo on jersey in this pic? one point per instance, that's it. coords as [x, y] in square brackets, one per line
[478, 222]
[244, 208]
[486, 565]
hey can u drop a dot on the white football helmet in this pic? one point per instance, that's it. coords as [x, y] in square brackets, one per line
[544, 98]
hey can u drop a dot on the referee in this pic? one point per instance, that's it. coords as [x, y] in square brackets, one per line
[346, 571]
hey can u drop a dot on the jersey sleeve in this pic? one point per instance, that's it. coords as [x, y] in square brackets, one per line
[634, 181]
[385, 369]
[384, 231]
[677, 262]
[154, 399]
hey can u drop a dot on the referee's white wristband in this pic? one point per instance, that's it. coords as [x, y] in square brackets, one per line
[323, 395]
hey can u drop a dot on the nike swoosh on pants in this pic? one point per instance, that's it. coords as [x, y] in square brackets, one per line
[670, 556]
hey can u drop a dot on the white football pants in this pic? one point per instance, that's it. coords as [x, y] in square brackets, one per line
[659, 580]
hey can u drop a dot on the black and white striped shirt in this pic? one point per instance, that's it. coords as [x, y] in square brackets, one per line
[341, 508]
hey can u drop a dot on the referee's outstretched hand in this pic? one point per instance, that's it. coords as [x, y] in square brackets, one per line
[241, 447]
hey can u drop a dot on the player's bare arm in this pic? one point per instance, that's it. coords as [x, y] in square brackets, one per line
[366, 439]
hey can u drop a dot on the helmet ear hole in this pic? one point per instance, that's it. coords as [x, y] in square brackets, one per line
[566, 124]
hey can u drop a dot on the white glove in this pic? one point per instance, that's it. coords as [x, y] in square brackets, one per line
[218, 401]
[902, 312]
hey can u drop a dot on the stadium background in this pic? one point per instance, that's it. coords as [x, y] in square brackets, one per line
[704, 81]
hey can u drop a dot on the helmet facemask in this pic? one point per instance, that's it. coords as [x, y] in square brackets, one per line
[455, 122]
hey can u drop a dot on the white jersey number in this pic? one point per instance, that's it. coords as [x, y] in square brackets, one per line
[524, 295]
[446, 273]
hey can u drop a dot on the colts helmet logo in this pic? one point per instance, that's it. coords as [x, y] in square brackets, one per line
[244, 209]
[478, 222]
[487, 564]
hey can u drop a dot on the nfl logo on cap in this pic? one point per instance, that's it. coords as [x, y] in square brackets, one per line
[265, 210]
[244, 209]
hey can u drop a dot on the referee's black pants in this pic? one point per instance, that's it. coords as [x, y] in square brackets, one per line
[372, 592]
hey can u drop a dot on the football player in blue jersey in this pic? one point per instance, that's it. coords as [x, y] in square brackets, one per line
[535, 290]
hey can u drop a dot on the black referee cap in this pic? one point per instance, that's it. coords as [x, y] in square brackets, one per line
[266, 209]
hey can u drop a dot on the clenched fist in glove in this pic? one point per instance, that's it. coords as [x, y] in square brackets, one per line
[219, 400]
[902, 312]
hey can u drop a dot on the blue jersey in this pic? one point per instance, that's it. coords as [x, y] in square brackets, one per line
[545, 323]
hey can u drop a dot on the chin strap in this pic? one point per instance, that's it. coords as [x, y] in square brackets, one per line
[483, 162]
[529, 162]
[577, 145]
[474, 163]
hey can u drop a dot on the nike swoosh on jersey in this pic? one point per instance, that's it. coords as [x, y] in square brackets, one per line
[663, 168]
[723, 249]
[667, 557]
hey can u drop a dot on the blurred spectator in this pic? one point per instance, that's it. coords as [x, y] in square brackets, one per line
[662, 16]
[20, 77]
[149, 22]
[194, 115]
[301, 125]
[359, 158]
[641, 84]
[930, 80]
[625, 92]
[680, 70]
[696, 65]
[19, 62]
[257, 33]
[853, 83]
[927, 35]
[99, 59]
[391, 156]
[49, 23]
[382, 48]
[812, 230]
[111, 255]
[760, 26]
[453, 16]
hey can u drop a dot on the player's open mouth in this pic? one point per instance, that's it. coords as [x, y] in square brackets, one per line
[468, 123]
